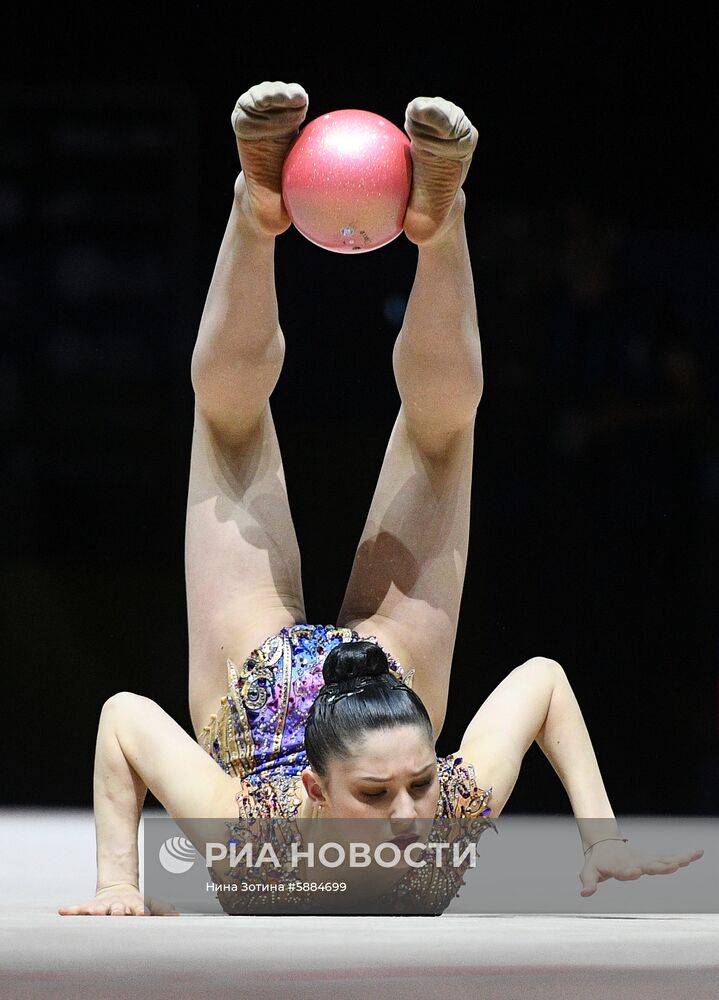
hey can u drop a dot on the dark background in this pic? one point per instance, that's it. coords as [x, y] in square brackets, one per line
[592, 222]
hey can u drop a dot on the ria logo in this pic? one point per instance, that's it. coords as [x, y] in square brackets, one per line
[177, 855]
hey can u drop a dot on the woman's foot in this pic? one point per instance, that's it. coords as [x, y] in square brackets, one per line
[266, 119]
[442, 143]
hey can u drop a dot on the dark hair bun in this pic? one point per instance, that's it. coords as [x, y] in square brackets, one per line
[350, 660]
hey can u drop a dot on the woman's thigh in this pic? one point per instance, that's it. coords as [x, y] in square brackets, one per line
[242, 561]
[408, 574]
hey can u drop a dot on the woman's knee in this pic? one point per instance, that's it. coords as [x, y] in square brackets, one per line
[123, 701]
[544, 663]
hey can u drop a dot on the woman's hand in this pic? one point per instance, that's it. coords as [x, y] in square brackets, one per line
[615, 859]
[122, 900]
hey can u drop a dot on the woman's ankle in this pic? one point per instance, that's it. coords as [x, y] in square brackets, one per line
[452, 228]
[247, 217]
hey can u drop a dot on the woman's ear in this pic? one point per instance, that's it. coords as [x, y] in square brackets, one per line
[313, 787]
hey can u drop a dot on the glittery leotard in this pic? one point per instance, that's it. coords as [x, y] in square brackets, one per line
[257, 733]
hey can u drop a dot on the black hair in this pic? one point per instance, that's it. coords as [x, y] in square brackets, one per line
[360, 695]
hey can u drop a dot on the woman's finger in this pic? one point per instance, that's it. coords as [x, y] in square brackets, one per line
[692, 856]
[660, 867]
[680, 860]
[96, 909]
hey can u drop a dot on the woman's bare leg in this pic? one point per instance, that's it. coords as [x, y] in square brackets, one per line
[242, 560]
[407, 578]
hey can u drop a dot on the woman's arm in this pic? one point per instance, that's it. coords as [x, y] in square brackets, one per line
[139, 746]
[119, 794]
[565, 742]
[535, 702]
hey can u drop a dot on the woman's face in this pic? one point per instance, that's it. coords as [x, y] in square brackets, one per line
[391, 776]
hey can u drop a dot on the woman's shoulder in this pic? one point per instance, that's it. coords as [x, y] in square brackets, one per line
[459, 794]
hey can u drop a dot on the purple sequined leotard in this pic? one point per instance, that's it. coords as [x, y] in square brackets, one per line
[257, 733]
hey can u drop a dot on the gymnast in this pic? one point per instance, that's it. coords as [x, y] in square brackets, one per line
[298, 719]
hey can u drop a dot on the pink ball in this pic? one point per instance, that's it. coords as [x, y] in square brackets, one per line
[346, 181]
